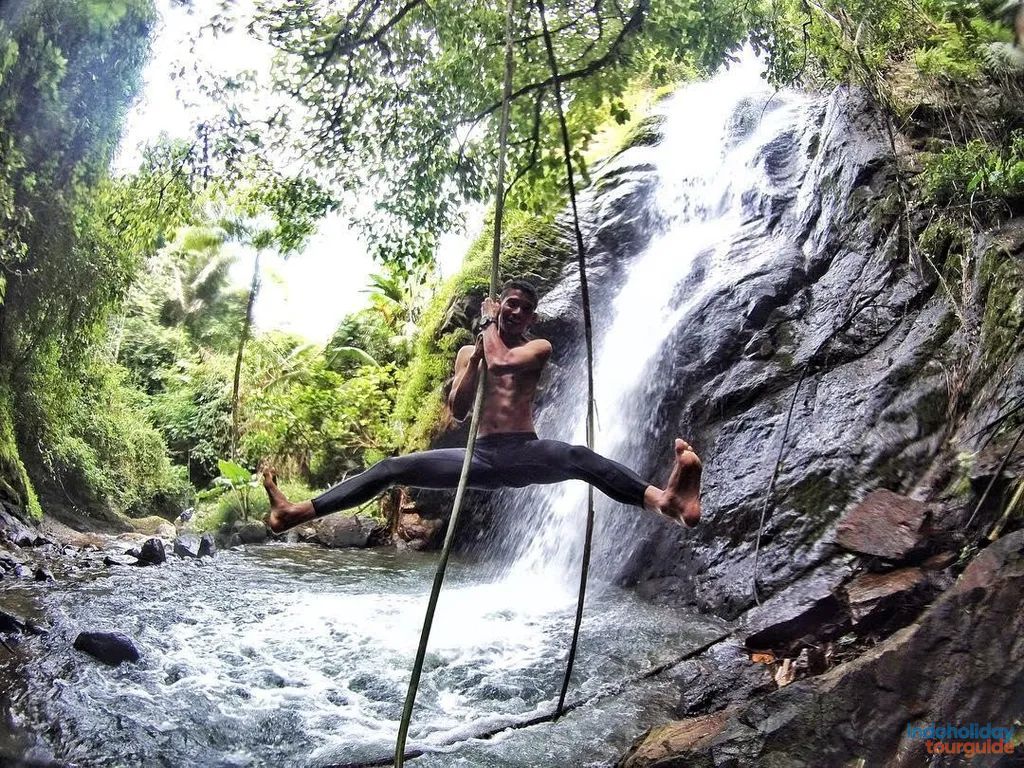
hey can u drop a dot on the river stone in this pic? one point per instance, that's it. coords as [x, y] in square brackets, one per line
[43, 574]
[884, 524]
[420, 532]
[125, 559]
[154, 525]
[187, 545]
[111, 648]
[251, 532]
[152, 552]
[338, 531]
[665, 741]
[207, 545]
[722, 675]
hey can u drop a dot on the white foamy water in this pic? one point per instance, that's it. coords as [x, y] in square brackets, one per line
[293, 655]
[709, 163]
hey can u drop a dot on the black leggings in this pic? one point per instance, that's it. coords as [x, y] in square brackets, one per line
[510, 459]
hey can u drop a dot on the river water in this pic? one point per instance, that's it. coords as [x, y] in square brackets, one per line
[287, 655]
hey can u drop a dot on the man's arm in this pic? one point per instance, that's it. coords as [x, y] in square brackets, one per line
[502, 359]
[460, 399]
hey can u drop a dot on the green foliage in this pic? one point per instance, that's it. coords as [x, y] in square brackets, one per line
[237, 482]
[15, 486]
[407, 93]
[864, 40]
[97, 439]
[976, 173]
[321, 424]
[1002, 324]
[219, 513]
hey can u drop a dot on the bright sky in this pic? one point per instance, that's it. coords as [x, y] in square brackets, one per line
[310, 292]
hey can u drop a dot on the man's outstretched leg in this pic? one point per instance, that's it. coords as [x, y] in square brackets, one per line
[680, 499]
[426, 469]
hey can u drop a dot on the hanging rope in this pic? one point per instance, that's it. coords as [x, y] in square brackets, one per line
[771, 485]
[435, 591]
[589, 338]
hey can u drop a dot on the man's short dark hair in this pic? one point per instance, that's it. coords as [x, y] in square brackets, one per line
[524, 286]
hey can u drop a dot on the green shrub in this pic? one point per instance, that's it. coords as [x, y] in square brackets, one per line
[977, 173]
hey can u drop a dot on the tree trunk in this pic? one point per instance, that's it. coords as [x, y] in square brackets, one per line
[254, 289]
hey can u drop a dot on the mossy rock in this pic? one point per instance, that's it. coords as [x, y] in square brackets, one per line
[1002, 324]
[15, 485]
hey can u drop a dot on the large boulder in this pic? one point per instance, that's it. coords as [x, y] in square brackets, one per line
[338, 531]
[418, 531]
[152, 552]
[154, 525]
[15, 531]
[961, 662]
[187, 545]
[251, 531]
[207, 545]
[111, 648]
[884, 524]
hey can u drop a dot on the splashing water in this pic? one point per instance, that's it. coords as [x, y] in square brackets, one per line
[712, 173]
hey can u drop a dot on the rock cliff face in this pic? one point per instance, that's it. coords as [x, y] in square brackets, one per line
[836, 354]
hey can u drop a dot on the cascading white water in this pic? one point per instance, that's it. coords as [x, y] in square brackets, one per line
[710, 166]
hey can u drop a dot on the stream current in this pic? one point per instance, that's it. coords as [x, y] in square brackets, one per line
[292, 655]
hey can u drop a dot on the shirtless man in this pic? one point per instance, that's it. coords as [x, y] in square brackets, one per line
[508, 452]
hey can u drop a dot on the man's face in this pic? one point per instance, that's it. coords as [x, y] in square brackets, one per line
[516, 312]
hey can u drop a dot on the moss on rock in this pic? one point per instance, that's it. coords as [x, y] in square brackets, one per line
[15, 485]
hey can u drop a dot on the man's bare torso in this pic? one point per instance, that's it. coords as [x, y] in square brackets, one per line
[508, 401]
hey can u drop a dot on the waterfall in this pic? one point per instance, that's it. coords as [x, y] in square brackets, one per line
[731, 149]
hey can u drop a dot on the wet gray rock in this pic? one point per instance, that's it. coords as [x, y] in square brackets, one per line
[337, 531]
[722, 676]
[14, 530]
[207, 545]
[187, 545]
[152, 552]
[807, 608]
[111, 648]
[251, 532]
[111, 560]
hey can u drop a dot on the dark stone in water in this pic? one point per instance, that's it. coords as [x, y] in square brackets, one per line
[187, 545]
[207, 545]
[44, 574]
[251, 532]
[124, 559]
[111, 648]
[152, 552]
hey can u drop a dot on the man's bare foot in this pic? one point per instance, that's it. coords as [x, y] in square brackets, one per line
[681, 498]
[283, 513]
